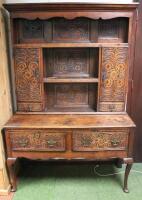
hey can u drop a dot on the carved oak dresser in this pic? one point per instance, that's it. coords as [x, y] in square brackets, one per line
[71, 80]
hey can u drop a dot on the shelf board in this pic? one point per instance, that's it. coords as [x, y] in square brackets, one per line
[71, 109]
[70, 80]
[70, 45]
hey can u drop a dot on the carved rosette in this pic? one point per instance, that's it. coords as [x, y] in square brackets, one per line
[113, 80]
[27, 75]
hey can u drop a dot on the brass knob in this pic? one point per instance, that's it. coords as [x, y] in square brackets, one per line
[51, 143]
[115, 142]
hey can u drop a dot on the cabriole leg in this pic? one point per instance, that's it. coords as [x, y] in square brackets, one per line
[12, 175]
[129, 162]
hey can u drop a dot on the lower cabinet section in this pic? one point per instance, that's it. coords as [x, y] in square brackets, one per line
[72, 144]
[68, 141]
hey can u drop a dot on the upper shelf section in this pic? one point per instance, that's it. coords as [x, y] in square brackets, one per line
[71, 10]
[59, 32]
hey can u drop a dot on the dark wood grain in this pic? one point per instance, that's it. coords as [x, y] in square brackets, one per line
[69, 121]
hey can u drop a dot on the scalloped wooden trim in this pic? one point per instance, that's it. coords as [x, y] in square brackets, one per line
[70, 15]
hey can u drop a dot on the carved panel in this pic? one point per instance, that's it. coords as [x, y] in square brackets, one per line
[31, 29]
[28, 75]
[37, 140]
[113, 80]
[76, 30]
[71, 94]
[67, 95]
[113, 30]
[89, 140]
[68, 62]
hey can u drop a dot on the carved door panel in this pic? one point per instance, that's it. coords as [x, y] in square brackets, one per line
[113, 79]
[28, 77]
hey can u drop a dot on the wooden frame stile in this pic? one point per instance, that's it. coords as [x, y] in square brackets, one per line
[41, 78]
[12, 74]
[131, 41]
[99, 77]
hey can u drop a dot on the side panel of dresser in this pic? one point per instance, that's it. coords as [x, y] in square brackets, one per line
[28, 78]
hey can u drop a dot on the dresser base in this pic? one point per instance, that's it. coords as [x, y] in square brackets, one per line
[70, 138]
[11, 163]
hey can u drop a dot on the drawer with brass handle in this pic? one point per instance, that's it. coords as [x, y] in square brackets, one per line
[96, 140]
[38, 140]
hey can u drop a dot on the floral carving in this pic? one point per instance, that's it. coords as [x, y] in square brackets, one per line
[27, 74]
[37, 140]
[99, 139]
[113, 74]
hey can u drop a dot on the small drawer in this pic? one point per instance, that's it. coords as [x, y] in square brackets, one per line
[37, 140]
[100, 140]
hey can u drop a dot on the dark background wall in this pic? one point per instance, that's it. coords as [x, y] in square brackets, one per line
[136, 105]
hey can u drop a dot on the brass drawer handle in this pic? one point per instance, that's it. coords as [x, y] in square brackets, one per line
[51, 143]
[115, 142]
[86, 141]
[23, 142]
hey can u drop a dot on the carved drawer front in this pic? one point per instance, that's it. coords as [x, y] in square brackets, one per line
[37, 140]
[96, 140]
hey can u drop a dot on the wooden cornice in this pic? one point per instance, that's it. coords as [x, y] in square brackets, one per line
[70, 10]
[68, 6]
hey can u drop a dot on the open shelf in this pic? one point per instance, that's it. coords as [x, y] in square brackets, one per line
[72, 97]
[69, 80]
[78, 32]
[70, 74]
[74, 64]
